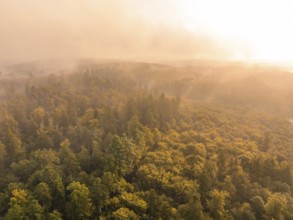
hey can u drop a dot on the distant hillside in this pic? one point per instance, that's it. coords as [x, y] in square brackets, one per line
[260, 87]
[254, 86]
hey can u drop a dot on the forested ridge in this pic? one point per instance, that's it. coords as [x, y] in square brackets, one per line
[103, 144]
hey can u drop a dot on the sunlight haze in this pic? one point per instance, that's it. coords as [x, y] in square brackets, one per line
[187, 29]
[265, 27]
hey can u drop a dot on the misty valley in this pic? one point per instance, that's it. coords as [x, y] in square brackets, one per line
[110, 139]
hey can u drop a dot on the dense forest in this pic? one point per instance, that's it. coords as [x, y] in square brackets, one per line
[145, 141]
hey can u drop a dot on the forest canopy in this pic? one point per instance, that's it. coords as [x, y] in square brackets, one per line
[145, 141]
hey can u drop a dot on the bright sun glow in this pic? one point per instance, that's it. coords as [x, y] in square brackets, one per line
[265, 27]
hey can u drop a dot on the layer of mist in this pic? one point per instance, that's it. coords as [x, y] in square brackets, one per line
[33, 30]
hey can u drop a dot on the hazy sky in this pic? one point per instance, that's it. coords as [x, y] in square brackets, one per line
[161, 29]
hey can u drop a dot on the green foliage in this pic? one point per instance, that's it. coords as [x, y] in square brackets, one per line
[23, 206]
[124, 214]
[3, 154]
[217, 204]
[55, 215]
[276, 206]
[121, 155]
[43, 195]
[70, 164]
[133, 201]
[79, 205]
